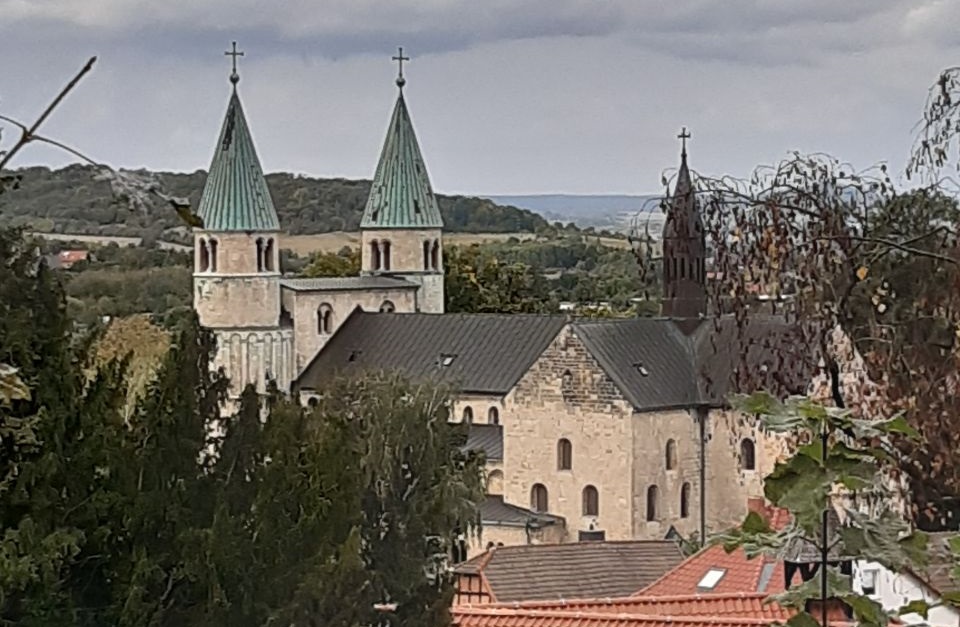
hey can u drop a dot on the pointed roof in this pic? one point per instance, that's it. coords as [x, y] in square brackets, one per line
[401, 196]
[235, 196]
[683, 214]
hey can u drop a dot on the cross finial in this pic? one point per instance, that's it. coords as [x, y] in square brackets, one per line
[401, 81]
[234, 77]
[683, 137]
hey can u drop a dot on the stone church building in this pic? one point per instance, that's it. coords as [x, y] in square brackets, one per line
[592, 429]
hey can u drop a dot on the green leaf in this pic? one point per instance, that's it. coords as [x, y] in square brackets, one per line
[802, 619]
[866, 611]
[755, 523]
[898, 424]
[917, 606]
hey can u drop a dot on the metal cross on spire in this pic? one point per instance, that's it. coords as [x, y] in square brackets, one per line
[683, 137]
[234, 77]
[401, 81]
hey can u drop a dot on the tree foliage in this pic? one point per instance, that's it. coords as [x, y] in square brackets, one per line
[867, 276]
[843, 465]
[169, 514]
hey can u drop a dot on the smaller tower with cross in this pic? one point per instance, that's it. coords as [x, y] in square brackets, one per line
[684, 250]
[401, 232]
[236, 274]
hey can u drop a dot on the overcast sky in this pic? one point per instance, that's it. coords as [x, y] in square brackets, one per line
[507, 96]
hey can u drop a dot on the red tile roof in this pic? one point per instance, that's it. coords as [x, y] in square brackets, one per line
[740, 575]
[487, 616]
[733, 605]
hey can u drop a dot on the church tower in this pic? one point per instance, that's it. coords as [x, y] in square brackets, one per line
[684, 251]
[401, 232]
[236, 275]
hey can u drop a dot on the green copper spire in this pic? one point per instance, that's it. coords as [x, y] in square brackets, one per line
[236, 196]
[401, 196]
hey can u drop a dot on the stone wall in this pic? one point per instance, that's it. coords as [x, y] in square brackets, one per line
[250, 356]
[406, 249]
[591, 414]
[303, 306]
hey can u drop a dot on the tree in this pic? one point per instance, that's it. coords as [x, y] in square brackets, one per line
[842, 465]
[476, 282]
[344, 263]
[866, 277]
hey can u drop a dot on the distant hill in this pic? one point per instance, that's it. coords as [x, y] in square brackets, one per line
[69, 200]
[608, 211]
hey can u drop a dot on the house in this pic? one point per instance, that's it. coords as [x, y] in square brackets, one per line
[563, 571]
[894, 590]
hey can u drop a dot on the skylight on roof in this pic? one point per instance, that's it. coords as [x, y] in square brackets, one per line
[711, 579]
[641, 369]
[446, 359]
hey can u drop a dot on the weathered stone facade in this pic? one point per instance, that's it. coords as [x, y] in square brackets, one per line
[307, 308]
[412, 254]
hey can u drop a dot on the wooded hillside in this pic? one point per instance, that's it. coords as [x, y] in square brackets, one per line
[70, 200]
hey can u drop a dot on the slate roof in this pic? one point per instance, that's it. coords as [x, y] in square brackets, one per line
[235, 196]
[938, 572]
[335, 284]
[656, 366]
[572, 571]
[494, 511]
[400, 195]
[487, 353]
[487, 438]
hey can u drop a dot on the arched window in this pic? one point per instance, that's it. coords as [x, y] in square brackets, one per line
[426, 254]
[685, 500]
[324, 319]
[566, 385]
[653, 495]
[386, 254]
[539, 501]
[313, 402]
[387, 307]
[493, 416]
[564, 454]
[468, 414]
[260, 251]
[591, 501]
[671, 455]
[495, 482]
[214, 246]
[435, 255]
[203, 255]
[268, 254]
[374, 255]
[748, 459]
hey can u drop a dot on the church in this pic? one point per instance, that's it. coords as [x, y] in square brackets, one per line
[592, 429]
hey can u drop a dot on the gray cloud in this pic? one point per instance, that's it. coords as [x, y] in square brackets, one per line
[541, 95]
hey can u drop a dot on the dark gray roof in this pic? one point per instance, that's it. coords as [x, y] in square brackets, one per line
[495, 512]
[657, 366]
[580, 570]
[487, 438]
[649, 360]
[331, 284]
[479, 353]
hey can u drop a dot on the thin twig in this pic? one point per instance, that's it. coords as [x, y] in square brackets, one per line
[29, 134]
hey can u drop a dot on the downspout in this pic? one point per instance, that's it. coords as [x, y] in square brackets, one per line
[702, 420]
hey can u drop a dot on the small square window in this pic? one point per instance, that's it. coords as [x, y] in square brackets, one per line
[711, 579]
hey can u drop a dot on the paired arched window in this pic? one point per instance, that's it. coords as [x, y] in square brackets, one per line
[564, 454]
[380, 255]
[653, 507]
[387, 307]
[385, 253]
[493, 416]
[207, 254]
[426, 254]
[539, 501]
[468, 414]
[748, 455]
[375, 261]
[591, 501]
[435, 255]
[671, 460]
[685, 500]
[324, 319]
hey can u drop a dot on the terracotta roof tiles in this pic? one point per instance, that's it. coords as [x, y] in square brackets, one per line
[739, 575]
[507, 617]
